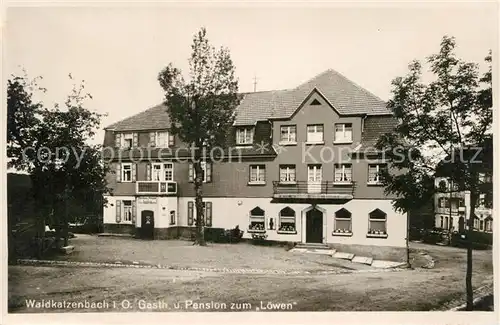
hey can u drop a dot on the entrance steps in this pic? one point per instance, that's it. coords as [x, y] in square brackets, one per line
[313, 248]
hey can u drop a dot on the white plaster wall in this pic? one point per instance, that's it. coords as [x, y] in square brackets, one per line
[109, 212]
[229, 212]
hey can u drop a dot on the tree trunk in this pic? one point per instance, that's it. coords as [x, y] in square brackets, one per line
[198, 184]
[408, 239]
[468, 276]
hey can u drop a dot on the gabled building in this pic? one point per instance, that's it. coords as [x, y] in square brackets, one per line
[300, 167]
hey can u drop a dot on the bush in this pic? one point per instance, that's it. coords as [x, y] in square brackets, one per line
[213, 234]
[479, 240]
[432, 236]
[221, 235]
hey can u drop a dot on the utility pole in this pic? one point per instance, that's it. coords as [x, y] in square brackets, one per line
[254, 83]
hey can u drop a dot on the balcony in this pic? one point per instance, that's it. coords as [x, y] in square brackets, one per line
[303, 190]
[155, 187]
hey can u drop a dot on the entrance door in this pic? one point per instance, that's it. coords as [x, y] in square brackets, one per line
[314, 178]
[314, 226]
[147, 224]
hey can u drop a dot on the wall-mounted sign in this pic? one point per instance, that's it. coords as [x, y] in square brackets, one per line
[147, 200]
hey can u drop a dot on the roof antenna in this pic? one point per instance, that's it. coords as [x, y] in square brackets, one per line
[254, 83]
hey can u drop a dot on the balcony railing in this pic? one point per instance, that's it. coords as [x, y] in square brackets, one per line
[313, 190]
[155, 187]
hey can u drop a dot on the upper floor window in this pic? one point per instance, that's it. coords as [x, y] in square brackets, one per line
[343, 173]
[343, 132]
[287, 173]
[127, 140]
[126, 172]
[257, 174]
[315, 133]
[163, 172]
[206, 172]
[374, 171]
[244, 135]
[481, 200]
[288, 134]
[161, 139]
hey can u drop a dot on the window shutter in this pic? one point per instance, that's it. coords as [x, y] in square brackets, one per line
[209, 172]
[118, 211]
[208, 214]
[191, 172]
[134, 212]
[190, 213]
[152, 139]
[135, 140]
[148, 172]
[118, 172]
[134, 172]
[118, 140]
[171, 140]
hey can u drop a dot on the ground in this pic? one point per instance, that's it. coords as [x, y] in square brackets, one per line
[377, 290]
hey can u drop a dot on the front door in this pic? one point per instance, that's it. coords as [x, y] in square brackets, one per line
[147, 224]
[314, 178]
[314, 226]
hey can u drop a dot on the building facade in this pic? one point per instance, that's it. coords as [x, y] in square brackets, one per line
[300, 167]
[453, 209]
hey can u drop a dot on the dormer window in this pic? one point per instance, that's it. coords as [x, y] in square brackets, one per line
[244, 135]
[343, 132]
[127, 140]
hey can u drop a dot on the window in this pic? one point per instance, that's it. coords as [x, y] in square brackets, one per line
[257, 220]
[257, 174]
[480, 201]
[207, 213]
[374, 171]
[343, 133]
[315, 133]
[343, 223]
[481, 225]
[287, 221]
[445, 222]
[441, 225]
[287, 173]
[127, 211]
[172, 217]
[444, 202]
[126, 172]
[163, 172]
[206, 172]
[127, 140]
[377, 224]
[476, 223]
[488, 224]
[288, 134]
[343, 173]
[161, 139]
[244, 135]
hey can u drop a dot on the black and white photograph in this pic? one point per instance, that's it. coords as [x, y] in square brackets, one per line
[268, 158]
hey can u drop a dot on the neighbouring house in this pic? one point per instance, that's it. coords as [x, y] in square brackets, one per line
[300, 167]
[452, 208]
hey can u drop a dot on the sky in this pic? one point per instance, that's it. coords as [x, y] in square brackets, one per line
[119, 51]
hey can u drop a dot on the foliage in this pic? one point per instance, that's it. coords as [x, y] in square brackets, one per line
[442, 125]
[201, 108]
[51, 145]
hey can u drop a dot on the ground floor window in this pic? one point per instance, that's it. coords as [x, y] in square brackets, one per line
[377, 223]
[257, 220]
[172, 217]
[287, 221]
[489, 224]
[343, 222]
[207, 214]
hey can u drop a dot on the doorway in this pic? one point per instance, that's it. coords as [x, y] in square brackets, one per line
[314, 226]
[147, 224]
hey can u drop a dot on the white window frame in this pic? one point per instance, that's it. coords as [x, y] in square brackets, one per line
[122, 171]
[313, 133]
[124, 139]
[288, 137]
[244, 135]
[162, 171]
[292, 220]
[158, 138]
[344, 179]
[337, 230]
[127, 211]
[287, 172]
[260, 172]
[341, 136]
[203, 165]
[378, 167]
[384, 221]
[257, 219]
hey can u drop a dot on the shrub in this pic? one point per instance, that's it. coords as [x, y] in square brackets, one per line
[432, 236]
[221, 235]
[479, 240]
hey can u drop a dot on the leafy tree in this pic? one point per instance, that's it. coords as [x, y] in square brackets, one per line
[51, 145]
[201, 109]
[443, 123]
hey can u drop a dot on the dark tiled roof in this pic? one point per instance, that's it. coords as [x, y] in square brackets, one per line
[154, 118]
[375, 126]
[344, 95]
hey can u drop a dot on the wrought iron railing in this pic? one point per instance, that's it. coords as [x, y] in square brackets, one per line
[324, 188]
[155, 187]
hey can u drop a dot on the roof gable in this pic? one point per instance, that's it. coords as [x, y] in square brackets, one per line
[154, 118]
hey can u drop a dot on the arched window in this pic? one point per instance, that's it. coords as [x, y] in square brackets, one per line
[257, 220]
[377, 223]
[287, 221]
[488, 224]
[343, 222]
